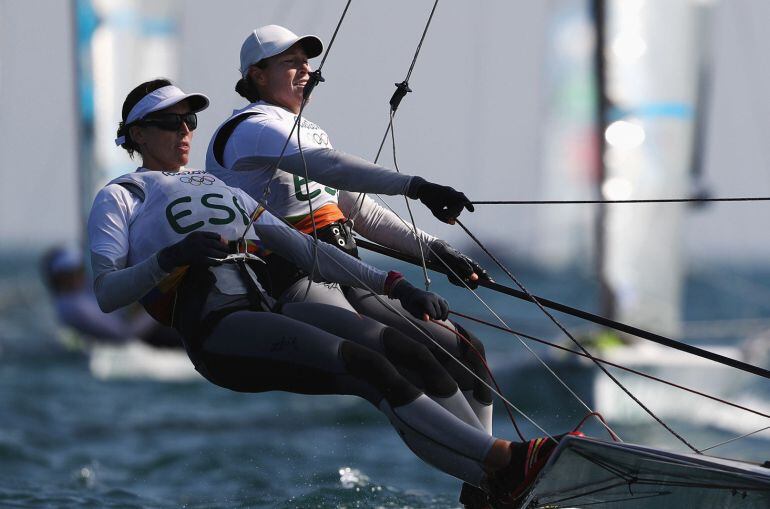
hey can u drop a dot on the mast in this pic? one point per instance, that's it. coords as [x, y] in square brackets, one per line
[606, 296]
[84, 22]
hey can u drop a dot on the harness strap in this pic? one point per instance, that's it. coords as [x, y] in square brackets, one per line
[340, 235]
[256, 299]
[224, 133]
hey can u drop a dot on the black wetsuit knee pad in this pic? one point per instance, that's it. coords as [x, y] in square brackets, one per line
[471, 359]
[476, 342]
[402, 350]
[377, 370]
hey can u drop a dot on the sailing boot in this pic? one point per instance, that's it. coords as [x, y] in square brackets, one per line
[472, 497]
[508, 485]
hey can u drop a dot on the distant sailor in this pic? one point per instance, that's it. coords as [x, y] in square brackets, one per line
[77, 310]
[160, 235]
[244, 153]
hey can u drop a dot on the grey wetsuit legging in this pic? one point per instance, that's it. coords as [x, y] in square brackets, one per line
[320, 349]
[478, 395]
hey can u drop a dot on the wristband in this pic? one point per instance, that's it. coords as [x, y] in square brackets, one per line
[390, 282]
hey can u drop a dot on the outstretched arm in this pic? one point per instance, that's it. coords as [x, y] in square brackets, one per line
[350, 173]
[336, 266]
[384, 227]
[380, 225]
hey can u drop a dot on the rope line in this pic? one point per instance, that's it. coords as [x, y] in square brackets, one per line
[401, 90]
[572, 338]
[421, 331]
[425, 276]
[579, 313]
[488, 370]
[736, 438]
[652, 200]
[334, 35]
[609, 363]
[315, 78]
[422, 39]
[497, 316]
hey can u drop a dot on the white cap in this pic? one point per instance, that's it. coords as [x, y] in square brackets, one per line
[270, 40]
[161, 98]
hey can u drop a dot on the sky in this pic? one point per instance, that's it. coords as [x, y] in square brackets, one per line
[474, 120]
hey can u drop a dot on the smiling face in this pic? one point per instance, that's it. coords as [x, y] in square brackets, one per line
[282, 80]
[163, 150]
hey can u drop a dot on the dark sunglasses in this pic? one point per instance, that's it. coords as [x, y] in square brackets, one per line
[170, 121]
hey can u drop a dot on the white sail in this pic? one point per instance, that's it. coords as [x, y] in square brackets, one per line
[569, 146]
[652, 84]
[134, 42]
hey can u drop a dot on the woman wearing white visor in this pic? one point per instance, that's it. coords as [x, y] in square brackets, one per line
[159, 235]
[247, 147]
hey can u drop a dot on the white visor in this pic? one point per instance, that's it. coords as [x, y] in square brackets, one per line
[159, 99]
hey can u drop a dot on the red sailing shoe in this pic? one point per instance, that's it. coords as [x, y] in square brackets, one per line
[527, 460]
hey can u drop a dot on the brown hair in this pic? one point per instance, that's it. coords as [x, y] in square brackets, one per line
[132, 98]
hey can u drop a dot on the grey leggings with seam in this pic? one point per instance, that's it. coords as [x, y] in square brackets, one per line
[320, 349]
[477, 394]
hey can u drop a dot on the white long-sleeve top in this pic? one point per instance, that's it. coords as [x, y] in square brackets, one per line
[248, 160]
[138, 214]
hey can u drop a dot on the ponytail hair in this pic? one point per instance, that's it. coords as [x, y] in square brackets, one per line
[247, 88]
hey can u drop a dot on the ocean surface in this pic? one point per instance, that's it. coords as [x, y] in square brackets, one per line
[70, 440]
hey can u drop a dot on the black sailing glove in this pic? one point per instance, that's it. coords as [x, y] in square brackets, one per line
[460, 264]
[419, 302]
[444, 202]
[198, 248]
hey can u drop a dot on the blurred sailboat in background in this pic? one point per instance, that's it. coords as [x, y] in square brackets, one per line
[651, 71]
[118, 43]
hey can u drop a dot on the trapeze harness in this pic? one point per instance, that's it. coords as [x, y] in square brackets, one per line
[194, 299]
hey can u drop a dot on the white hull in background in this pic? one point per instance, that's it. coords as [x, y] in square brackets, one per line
[130, 360]
[669, 402]
[137, 360]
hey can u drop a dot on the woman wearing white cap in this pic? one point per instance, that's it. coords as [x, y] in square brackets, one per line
[244, 153]
[158, 235]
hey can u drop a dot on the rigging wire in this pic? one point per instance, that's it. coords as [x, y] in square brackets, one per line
[619, 366]
[609, 363]
[415, 326]
[736, 438]
[334, 36]
[653, 200]
[572, 338]
[478, 354]
[425, 276]
[492, 311]
[579, 313]
[315, 77]
[401, 90]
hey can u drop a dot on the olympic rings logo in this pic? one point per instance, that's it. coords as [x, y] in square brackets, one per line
[321, 138]
[197, 180]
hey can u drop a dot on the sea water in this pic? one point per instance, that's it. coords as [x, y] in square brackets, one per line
[68, 440]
